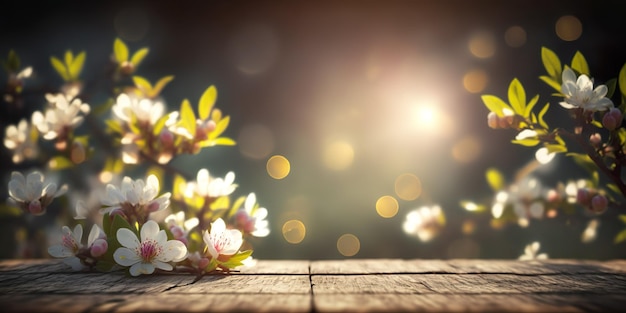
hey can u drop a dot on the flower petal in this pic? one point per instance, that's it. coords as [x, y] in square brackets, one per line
[174, 251]
[125, 257]
[127, 238]
[141, 268]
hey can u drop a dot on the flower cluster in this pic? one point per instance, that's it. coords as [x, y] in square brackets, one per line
[595, 140]
[135, 225]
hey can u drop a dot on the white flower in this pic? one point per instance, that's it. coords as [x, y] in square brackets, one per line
[425, 222]
[71, 245]
[153, 251]
[222, 241]
[527, 200]
[22, 139]
[145, 110]
[61, 115]
[251, 218]
[207, 186]
[179, 227]
[30, 194]
[530, 253]
[135, 198]
[579, 93]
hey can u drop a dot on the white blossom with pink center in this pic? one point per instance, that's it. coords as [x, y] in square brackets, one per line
[151, 252]
[71, 245]
[222, 241]
[251, 218]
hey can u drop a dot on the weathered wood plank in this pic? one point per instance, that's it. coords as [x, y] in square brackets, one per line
[155, 303]
[252, 284]
[468, 303]
[290, 267]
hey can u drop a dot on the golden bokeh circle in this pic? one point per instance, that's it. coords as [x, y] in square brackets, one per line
[408, 187]
[348, 245]
[294, 231]
[278, 167]
[568, 28]
[387, 206]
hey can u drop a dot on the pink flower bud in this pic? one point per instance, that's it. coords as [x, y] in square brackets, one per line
[553, 196]
[153, 206]
[166, 137]
[612, 119]
[177, 231]
[99, 248]
[119, 212]
[34, 207]
[203, 263]
[599, 203]
[595, 140]
[492, 120]
[583, 197]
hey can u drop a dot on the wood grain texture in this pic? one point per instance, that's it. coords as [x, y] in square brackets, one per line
[325, 286]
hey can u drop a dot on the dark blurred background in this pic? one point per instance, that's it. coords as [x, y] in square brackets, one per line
[354, 94]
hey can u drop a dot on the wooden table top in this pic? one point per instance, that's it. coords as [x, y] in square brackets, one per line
[321, 286]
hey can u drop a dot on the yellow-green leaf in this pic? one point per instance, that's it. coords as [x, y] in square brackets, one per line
[495, 104]
[187, 117]
[621, 81]
[531, 105]
[220, 127]
[139, 56]
[621, 236]
[59, 163]
[77, 65]
[552, 83]
[206, 102]
[495, 179]
[556, 148]
[622, 218]
[160, 85]
[541, 114]
[142, 84]
[120, 50]
[517, 97]
[579, 64]
[551, 62]
[528, 142]
[60, 68]
[69, 57]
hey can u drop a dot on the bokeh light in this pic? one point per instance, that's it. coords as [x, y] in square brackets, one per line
[467, 149]
[425, 223]
[348, 245]
[568, 28]
[256, 141]
[294, 231]
[387, 206]
[338, 155]
[278, 167]
[482, 44]
[408, 186]
[515, 36]
[475, 81]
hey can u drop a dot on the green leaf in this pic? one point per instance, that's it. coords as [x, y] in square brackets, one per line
[60, 68]
[160, 85]
[556, 148]
[495, 104]
[120, 50]
[142, 84]
[495, 179]
[531, 105]
[517, 97]
[236, 260]
[206, 102]
[105, 266]
[158, 126]
[77, 65]
[552, 83]
[13, 62]
[579, 64]
[551, 63]
[59, 163]
[622, 218]
[139, 56]
[622, 80]
[106, 224]
[621, 236]
[220, 127]
[611, 85]
[69, 57]
[187, 117]
[528, 142]
[541, 114]
[583, 161]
